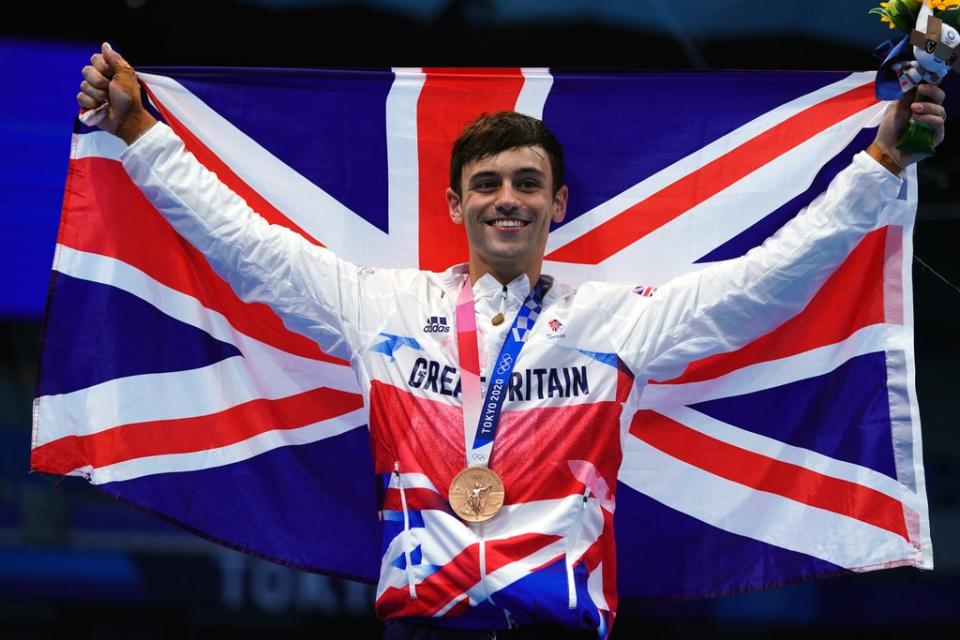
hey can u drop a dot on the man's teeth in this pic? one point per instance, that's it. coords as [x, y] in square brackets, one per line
[508, 223]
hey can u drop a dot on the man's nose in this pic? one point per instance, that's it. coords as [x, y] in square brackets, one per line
[507, 198]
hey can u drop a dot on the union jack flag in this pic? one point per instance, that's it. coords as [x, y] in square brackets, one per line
[793, 457]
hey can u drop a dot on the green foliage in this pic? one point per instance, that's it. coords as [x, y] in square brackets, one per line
[901, 14]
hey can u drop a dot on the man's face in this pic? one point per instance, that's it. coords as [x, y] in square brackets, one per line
[507, 206]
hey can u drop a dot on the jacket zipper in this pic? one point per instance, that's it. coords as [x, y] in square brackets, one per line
[411, 583]
[572, 541]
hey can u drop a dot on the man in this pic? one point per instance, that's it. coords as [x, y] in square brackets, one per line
[508, 529]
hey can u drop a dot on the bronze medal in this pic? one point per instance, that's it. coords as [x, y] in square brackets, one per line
[497, 320]
[476, 494]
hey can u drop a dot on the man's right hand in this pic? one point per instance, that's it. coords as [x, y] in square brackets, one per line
[110, 79]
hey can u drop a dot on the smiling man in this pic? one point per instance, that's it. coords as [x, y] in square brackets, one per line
[507, 197]
[495, 393]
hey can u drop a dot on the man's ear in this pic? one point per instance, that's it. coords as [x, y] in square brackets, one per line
[560, 204]
[454, 204]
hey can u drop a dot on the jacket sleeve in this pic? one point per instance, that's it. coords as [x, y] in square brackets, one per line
[314, 292]
[728, 304]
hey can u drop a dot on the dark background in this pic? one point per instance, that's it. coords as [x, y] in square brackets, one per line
[74, 562]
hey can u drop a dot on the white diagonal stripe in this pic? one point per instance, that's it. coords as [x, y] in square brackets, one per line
[313, 209]
[237, 452]
[736, 208]
[760, 515]
[775, 373]
[96, 144]
[703, 156]
[671, 250]
[778, 450]
[262, 372]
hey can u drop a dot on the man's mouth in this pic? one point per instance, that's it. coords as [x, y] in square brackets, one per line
[507, 223]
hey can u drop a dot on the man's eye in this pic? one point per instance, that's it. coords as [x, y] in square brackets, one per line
[529, 184]
[485, 185]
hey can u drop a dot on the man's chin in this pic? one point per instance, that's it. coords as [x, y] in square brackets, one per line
[508, 257]
[508, 263]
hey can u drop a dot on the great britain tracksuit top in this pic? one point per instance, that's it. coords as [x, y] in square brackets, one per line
[548, 556]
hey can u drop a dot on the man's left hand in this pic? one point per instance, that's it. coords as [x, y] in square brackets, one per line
[898, 115]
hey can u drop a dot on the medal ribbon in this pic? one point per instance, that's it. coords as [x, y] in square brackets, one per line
[482, 414]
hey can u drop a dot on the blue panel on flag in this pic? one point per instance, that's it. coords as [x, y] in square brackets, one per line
[248, 505]
[95, 333]
[307, 118]
[850, 400]
[754, 235]
[612, 117]
[678, 555]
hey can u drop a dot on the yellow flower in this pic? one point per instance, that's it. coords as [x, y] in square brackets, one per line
[899, 14]
[943, 5]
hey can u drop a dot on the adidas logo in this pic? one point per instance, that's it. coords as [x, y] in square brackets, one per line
[436, 324]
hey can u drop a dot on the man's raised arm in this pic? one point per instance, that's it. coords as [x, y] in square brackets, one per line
[313, 291]
[731, 303]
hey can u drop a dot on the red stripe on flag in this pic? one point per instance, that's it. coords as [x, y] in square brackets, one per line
[450, 99]
[226, 175]
[107, 215]
[856, 287]
[679, 197]
[198, 433]
[768, 474]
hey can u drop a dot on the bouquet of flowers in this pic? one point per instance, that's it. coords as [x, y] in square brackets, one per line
[926, 54]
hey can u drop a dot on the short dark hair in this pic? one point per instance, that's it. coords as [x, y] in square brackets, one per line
[492, 133]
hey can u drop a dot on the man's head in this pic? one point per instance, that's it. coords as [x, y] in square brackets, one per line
[492, 133]
[506, 177]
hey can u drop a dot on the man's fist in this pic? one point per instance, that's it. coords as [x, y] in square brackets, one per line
[109, 79]
[899, 114]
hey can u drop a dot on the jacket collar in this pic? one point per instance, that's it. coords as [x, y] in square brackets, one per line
[489, 287]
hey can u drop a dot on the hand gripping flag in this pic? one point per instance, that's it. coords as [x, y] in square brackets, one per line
[793, 457]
